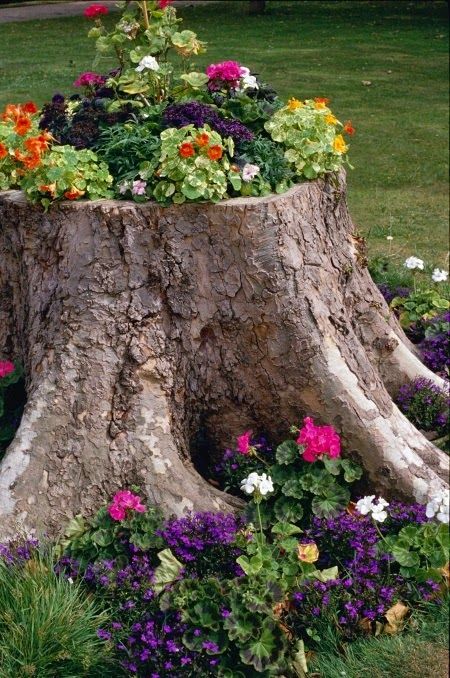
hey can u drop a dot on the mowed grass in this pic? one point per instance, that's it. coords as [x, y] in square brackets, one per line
[306, 49]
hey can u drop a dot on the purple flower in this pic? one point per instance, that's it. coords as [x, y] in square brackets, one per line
[198, 114]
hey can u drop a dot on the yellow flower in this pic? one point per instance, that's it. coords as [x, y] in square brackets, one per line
[331, 119]
[293, 104]
[319, 105]
[339, 144]
[308, 553]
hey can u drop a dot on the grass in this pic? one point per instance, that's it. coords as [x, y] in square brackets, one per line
[314, 48]
[421, 652]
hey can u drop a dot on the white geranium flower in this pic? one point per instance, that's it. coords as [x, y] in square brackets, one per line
[438, 507]
[249, 484]
[365, 505]
[265, 484]
[439, 275]
[249, 81]
[244, 71]
[148, 62]
[414, 262]
[249, 171]
[378, 512]
[262, 483]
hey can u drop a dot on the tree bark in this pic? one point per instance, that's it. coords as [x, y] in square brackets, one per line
[144, 328]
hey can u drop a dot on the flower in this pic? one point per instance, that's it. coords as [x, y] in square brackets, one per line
[308, 553]
[331, 119]
[249, 171]
[321, 100]
[414, 262]
[186, 150]
[439, 275]
[23, 125]
[254, 482]
[93, 11]
[3, 151]
[318, 441]
[162, 4]
[438, 507]
[89, 79]
[139, 187]
[73, 193]
[243, 443]
[367, 505]
[202, 139]
[225, 73]
[123, 501]
[148, 62]
[29, 107]
[339, 144]
[348, 128]
[248, 80]
[6, 367]
[215, 152]
[48, 188]
[293, 104]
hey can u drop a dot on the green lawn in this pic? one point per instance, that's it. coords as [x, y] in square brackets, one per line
[399, 184]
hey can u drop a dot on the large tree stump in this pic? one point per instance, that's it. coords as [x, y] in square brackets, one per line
[142, 328]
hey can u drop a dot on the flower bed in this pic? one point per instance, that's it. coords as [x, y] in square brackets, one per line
[149, 130]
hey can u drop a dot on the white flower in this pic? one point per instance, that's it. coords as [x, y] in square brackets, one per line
[244, 71]
[365, 505]
[249, 171]
[414, 262]
[439, 506]
[249, 81]
[262, 483]
[70, 580]
[389, 237]
[148, 62]
[439, 275]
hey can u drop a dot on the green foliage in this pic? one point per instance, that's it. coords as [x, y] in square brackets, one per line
[308, 132]
[383, 270]
[254, 113]
[100, 537]
[67, 173]
[420, 550]
[420, 305]
[124, 147]
[269, 157]
[48, 626]
[195, 177]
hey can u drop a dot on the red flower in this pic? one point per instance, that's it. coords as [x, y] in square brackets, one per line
[93, 11]
[322, 100]
[3, 151]
[162, 4]
[348, 127]
[215, 152]
[186, 150]
[30, 107]
[23, 125]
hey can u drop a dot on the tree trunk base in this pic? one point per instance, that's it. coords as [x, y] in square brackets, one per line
[141, 327]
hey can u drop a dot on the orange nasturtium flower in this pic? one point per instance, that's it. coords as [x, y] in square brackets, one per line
[73, 193]
[322, 100]
[48, 188]
[293, 104]
[331, 119]
[339, 144]
[3, 151]
[202, 139]
[23, 125]
[29, 107]
[348, 128]
[215, 152]
[186, 150]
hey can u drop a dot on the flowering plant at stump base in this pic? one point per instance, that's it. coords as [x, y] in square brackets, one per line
[308, 131]
[68, 174]
[426, 406]
[12, 401]
[435, 347]
[194, 165]
[419, 306]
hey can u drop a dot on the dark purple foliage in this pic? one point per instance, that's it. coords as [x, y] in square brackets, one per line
[198, 114]
[205, 543]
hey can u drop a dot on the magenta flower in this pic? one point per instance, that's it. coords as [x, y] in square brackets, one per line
[123, 501]
[318, 441]
[243, 443]
[89, 79]
[94, 11]
[6, 367]
[226, 73]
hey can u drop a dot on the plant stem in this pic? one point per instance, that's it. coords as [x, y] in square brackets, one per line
[145, 14]
[260, 521]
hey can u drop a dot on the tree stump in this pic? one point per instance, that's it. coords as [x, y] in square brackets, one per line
[143, 328]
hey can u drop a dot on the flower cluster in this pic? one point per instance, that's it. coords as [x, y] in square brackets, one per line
[123, 502]
[94, 11]
[435, 347]
[318, 441]
[90, 79]
[425, 405]
[6, 367]
[198, 114]
[413, 263]
[205, 543]
[18, 551]
[377, 510]
[438, 507]
[257, 484]
[229, 75]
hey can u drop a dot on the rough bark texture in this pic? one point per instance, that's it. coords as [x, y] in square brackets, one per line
[143, 328]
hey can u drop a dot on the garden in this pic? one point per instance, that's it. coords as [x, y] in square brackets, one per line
[224, 419]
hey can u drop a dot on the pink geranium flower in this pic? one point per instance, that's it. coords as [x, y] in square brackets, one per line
[6, 367]
[93, 11]
[224, 73]
[243, 443]
[318, 441]
[89, 79]
[124, 501]
[162, 4]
